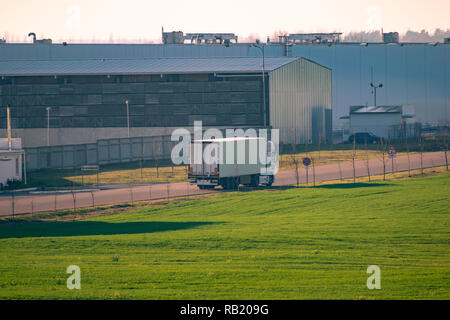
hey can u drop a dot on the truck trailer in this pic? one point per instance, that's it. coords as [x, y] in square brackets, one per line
[229, 162]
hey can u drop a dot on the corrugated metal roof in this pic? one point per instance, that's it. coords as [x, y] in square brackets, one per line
[30, 51]
[375, 109]
[140, 66]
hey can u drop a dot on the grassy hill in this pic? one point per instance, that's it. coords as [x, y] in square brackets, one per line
[296, 243]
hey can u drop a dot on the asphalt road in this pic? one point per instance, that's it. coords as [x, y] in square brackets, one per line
[65, 199]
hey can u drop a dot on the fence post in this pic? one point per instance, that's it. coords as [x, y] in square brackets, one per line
[93, 200]
[12, 203]
[74, 201]
[314, 171]
[150, 191]
[392, 160]
[353, 157]
[130, 186]
[168, 192]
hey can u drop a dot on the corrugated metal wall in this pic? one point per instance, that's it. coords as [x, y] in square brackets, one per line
[412, 74]
[300, 98]
[105, 151]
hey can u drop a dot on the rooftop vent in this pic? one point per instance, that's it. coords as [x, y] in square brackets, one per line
[391, 37]
[42, 41]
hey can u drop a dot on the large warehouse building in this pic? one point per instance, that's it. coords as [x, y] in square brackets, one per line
[77, 101]
[414, 74]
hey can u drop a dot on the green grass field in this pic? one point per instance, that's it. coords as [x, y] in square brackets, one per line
[294, 243]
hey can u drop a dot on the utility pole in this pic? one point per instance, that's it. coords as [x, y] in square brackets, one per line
[48, 125]
[8, 120]
[128, 118]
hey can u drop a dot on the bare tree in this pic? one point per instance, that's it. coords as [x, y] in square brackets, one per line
[405, 137]
[155, 152]
[421, 148]
[140, 165]
[409, 160]
[353, 157]
[320, 140]
[383, 154]
[367, 157]
[314, 170]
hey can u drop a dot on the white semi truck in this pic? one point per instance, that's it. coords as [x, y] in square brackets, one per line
[229, 162]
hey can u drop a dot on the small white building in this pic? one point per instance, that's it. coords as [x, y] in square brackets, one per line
[383, 121]
[11, 161]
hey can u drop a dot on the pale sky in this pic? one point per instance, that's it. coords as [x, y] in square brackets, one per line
[98, 20]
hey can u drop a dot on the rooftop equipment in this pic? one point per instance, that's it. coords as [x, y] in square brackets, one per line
[310, 38]
[391, 37]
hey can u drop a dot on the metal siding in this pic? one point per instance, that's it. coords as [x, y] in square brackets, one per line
[414, 74]
[298, 90]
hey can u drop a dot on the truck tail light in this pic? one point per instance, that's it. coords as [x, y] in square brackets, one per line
[190, 170]
[216, 172]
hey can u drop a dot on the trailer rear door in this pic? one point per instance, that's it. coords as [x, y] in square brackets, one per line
[200, 167]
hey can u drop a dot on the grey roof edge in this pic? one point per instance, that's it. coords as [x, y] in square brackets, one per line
[155, 58]
[281, 63]
[122, 73]
[312, 61]
[298, 59]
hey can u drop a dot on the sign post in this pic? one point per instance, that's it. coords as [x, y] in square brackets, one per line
[306, 163]
[392, 154]
[89, 168]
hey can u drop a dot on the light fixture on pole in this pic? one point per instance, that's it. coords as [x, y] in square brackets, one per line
[48, 125]
[128, 118]
[261, 47]
[375, 87]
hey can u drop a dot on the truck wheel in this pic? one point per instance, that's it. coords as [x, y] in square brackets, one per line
[255, 181]
[230, 183]
[225, 183]
[269, 184]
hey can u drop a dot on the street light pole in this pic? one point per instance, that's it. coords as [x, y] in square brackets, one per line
[375, 87]
[263, 81]
[48, 125]
[128, 118]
